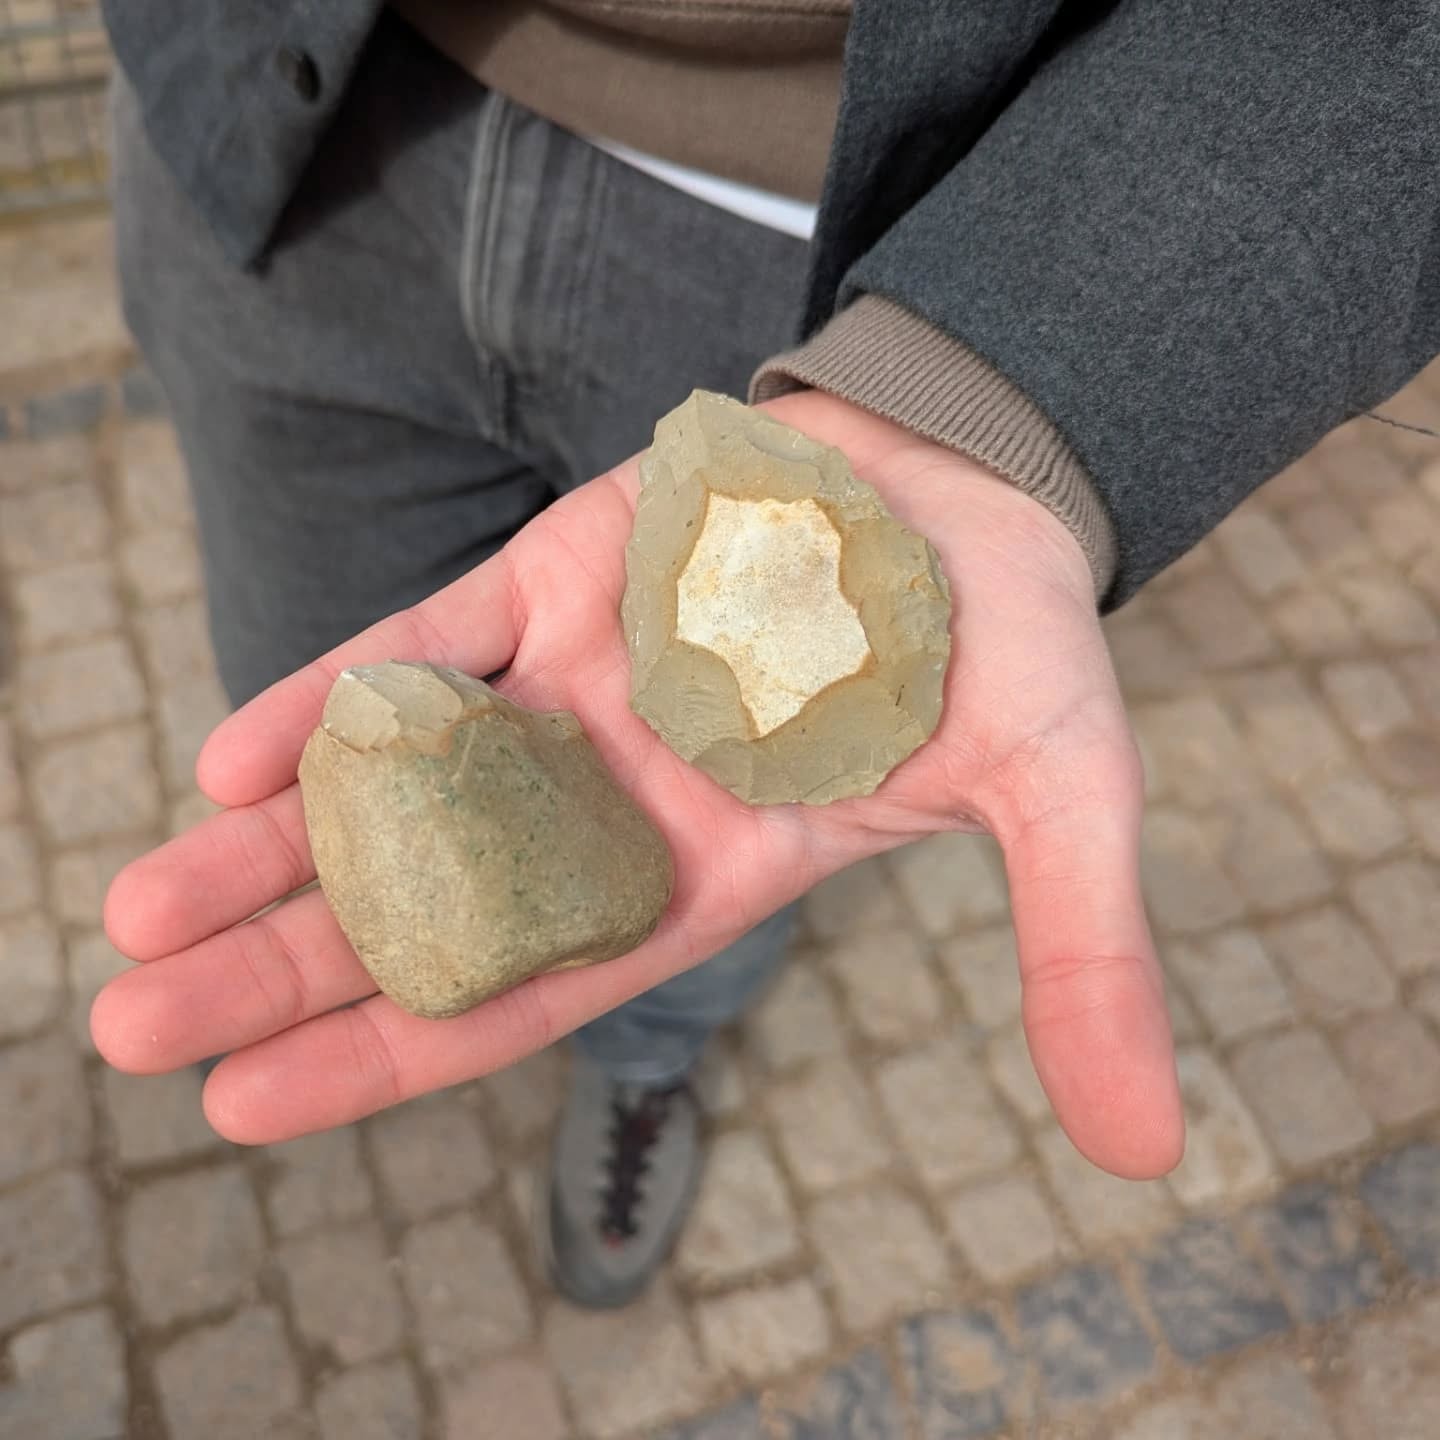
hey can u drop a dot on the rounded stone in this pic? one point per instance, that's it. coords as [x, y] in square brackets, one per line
[465, 843]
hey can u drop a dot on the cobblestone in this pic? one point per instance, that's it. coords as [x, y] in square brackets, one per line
[525, 1098]
[156, 1117]
[65, 411]
[233, 1381]
[963, 1136]
[827, 1126]
[888, 987]
[860, 898]
[1208, 1296]
[1150, 658]
[19, 870]
[79, 878]
[29, 464]
[1003, 1228]
[743, 1219]
[10, 788]
[317, 1181]
[380, 1402]
[160, 565]
[1193, 751]
[796, 1021]
[153, 488]
[467, 1298]
[40, 528]
[853, 1401]
[1400, 902]
[1233, 982]
[1222, 626]
[30, 961]
[343, 1293]
[60, 300]
[77, 689]
[952, 880]
[175, 640]
[1353, 816]
[1184, 886]
[1331, 966]
[1389, 612]
[882, 1257]
[966, 1377]
[754, 1335]
[1395, 1066]
[100, 785]
[1325, 1264]
[1316, 625]
[1368, 698]
[1392, 1369]
[597, 1355]
[1286, 726]
[1403, 1189]
[66, 1380]
[431, 1155]
[1225, 1156]
[1100, 1206]
[1008, 1056]
[52, 1250]
[510, 1397]
[1275, 864]
[984, 969]
[192, 1242]
[47, 1115]
[67, 603]
[1301, 1097]
[91, 961]
[1084, 1335]
[186, 713]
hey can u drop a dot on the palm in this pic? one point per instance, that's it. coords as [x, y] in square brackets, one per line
[1032, 737]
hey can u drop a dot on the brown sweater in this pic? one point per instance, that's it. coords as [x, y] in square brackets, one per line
[746, 89]
[718, 85]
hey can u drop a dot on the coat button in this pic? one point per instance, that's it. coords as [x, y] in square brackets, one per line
[298, 71]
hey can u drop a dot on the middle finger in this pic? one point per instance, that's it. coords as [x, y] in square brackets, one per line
[224, 870]
[231, 990]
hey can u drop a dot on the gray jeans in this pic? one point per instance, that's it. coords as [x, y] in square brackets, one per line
[467, 312]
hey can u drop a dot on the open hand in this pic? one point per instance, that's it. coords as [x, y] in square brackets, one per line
[1033, 746]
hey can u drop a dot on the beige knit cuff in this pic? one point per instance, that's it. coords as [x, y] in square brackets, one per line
[887, 360]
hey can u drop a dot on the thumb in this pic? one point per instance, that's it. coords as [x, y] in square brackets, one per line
[1094, 999]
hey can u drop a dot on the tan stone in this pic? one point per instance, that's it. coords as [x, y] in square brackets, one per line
[788, 636]
[466, 844]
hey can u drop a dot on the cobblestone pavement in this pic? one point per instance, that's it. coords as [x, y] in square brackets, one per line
[893, 1239]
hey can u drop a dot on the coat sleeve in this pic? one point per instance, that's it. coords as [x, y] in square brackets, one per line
[1200, 236]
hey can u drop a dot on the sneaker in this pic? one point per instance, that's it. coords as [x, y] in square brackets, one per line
[623, 1172]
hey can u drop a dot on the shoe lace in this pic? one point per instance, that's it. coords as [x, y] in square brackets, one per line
[635, 1127]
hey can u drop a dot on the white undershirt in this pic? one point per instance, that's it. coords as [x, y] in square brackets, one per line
[764, 207]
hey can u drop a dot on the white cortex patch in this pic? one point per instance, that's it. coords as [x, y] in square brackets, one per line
[762, 591]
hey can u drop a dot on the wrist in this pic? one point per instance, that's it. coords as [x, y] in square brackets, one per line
[939, 491]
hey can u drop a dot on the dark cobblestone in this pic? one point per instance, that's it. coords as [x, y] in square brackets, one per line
[1084, 1335]
[1208, 1297]
[854, 1401]
[65, 412]
[962, 1372]
[1404, 1191]
[1325, 1264]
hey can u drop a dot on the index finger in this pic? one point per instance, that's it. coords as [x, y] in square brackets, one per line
[470, 624]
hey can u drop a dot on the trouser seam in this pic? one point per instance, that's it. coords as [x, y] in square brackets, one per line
[494, 400]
